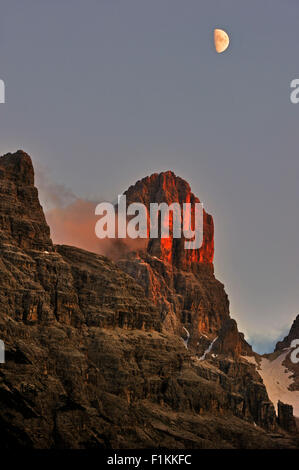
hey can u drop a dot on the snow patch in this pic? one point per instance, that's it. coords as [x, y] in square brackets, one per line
[207, 351]
[185, 341]
[277, 380]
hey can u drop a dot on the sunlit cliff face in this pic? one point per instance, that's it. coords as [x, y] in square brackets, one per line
[74, 224]
[167, 187]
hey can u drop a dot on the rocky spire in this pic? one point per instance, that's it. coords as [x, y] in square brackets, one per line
[22, 220]
[169, 188]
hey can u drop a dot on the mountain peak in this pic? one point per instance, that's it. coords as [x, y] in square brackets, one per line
[168, 188]
[22, 218]
[17, 167]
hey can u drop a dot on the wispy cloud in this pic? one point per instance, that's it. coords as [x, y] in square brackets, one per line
[52, 195]
[72, 220]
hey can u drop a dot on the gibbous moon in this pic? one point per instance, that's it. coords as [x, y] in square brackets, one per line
[221, 40]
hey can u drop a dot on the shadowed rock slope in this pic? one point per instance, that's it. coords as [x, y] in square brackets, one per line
[89, 361]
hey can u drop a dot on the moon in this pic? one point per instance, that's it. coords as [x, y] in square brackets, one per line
[221, 40]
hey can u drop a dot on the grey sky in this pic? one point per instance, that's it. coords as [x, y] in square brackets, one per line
[104, 92]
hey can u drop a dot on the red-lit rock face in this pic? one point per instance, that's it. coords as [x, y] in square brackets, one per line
[169, 188]
[179, 281]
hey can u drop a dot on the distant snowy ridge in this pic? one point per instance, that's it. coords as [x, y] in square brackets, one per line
[277, 379]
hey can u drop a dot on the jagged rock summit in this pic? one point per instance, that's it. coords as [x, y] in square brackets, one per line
[95, 356]
[168, 188]
[22, 219]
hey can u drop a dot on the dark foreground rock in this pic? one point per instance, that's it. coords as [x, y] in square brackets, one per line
[285, 417]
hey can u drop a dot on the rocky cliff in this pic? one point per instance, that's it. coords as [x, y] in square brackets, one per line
[95, 356]
[179, 281]
[168, 188]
